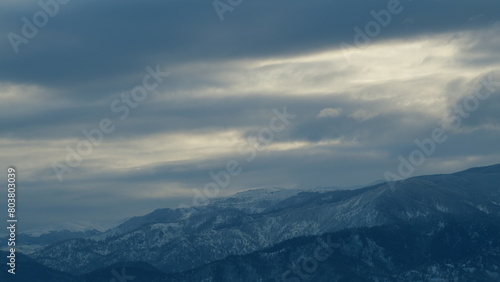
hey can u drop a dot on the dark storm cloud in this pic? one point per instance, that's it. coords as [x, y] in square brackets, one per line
[93, 46]
[93, 51]
[212, 114]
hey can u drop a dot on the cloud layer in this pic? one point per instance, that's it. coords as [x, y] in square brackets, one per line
[356, 110]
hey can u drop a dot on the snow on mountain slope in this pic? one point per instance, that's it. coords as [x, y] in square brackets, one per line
[173, 240]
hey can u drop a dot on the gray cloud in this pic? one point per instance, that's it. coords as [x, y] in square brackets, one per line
[95, 46]
[226, 78]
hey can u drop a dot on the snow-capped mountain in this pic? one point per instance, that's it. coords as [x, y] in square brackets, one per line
[180, 240]
[440, 249]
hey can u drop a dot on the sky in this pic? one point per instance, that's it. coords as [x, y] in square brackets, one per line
[112, 109]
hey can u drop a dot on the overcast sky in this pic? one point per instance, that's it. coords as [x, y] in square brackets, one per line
[360, 82]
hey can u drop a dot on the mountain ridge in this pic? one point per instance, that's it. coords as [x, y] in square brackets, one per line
[175, 241]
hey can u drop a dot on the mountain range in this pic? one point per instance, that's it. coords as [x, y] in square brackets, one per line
[427, 228]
